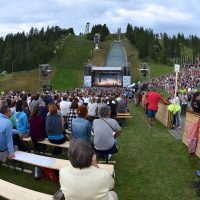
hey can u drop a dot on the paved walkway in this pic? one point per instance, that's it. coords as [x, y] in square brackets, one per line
[178, 133]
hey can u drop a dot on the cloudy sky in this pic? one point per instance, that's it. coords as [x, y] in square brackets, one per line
[169, 16]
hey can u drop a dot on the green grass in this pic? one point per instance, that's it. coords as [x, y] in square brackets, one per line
[68, 65]
[186, 51]
[70, 62]
[158, 69]
[5, 77]
[150, 165]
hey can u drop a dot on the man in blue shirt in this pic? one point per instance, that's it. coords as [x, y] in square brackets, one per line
[6, 134]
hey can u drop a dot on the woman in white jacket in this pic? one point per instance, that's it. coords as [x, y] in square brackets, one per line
[83, 179]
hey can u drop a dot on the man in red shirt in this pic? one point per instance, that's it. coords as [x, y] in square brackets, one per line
[153, 98]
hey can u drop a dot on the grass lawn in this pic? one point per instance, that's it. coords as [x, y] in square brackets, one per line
[24, 80]
[68, 66]
[150, 165]
[70, 61]
[158, 69]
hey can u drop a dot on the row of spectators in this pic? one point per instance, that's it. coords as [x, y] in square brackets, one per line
[188, 80]
[188, 88]
[82, 111]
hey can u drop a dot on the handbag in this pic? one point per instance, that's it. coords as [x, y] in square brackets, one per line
[59, 195]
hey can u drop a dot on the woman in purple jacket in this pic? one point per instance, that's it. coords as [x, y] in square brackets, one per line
[37, 127]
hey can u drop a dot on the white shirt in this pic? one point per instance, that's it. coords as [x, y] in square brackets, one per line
[64, 107]
[86, 184]
[176, 101]
[92, 109]
[86, 99]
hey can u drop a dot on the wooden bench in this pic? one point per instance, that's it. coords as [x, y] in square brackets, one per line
[27, 139]
[123, 117]
[46, 142]
[124, 114]
[15, 192]
[51, 163]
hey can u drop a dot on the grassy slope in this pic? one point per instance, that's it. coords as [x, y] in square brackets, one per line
[99, 55]
[132, 56]
[68, 71]
[156, 69]
[25, 80]
[70, 62]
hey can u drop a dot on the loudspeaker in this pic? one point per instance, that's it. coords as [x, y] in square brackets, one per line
[89, 71]
[124, 71]
[47, 87]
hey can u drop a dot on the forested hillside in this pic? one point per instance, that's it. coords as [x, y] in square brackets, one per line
[25, 51]
[163, 47]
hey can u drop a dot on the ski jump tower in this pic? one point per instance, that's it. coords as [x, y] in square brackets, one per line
[114, 73]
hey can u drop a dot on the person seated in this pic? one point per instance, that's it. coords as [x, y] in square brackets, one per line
[43, 109]
[7, 138]
[81, 127]
[26, 109]
[37, 127]
[121, 105]
[21, 120]
[93, 183]
[112, 103]
[72, 114]
[54, 126]
[105, 131]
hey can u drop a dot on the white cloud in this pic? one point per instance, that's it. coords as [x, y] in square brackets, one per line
[161, 15]
[151, 14]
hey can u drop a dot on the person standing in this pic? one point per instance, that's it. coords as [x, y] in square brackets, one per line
[72, 114]
[184, 103]
[92, 109]
[153, 98]
[65, 106]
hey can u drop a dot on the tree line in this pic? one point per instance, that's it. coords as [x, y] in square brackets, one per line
[101, 29]
[162, 47]
[25, 51]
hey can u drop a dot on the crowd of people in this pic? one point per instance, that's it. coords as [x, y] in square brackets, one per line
[187, 96]
[90, 116]
[189, 78]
